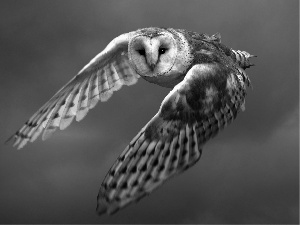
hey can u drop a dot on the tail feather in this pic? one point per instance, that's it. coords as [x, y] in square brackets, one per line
[242, 58]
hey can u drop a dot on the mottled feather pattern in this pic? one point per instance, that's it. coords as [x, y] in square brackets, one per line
[172, 142]
[144, 166]
[209, 88]
[76, 98]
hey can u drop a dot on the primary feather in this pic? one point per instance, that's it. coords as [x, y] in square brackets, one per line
[96, 81]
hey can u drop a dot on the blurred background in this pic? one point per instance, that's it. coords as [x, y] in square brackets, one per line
[249, 173]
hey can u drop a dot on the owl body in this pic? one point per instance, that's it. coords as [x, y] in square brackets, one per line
[193, 48]
[208, 82]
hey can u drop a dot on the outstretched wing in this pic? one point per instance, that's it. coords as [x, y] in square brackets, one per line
[207, 100]
[105, 73]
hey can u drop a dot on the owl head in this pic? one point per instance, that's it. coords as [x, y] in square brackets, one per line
[155, 52]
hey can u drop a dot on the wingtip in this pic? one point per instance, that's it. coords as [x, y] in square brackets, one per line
[103, 210]
[8, 140]
[102, 206]
[16, 142]
[12, 140]
[100, 210]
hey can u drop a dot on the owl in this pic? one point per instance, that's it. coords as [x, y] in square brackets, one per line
[208, 82]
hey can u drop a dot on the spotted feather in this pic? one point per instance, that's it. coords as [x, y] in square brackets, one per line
[173, 139]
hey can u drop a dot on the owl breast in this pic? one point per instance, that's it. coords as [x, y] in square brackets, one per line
[168, 81]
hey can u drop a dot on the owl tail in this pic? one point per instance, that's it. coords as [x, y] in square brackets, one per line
[242, 58]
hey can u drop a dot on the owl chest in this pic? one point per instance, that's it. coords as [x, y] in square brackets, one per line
[168, 81]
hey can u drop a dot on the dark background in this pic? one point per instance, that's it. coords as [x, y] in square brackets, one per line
[248, 174]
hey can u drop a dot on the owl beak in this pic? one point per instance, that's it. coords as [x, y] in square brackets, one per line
[152, 66]
[152, 61]
[152, 57]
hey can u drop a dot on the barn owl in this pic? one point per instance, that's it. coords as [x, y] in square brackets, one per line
[208, 82]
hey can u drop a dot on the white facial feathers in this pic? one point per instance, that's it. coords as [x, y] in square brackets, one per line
[153, 56]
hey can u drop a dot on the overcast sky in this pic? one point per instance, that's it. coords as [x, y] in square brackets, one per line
[249, 173]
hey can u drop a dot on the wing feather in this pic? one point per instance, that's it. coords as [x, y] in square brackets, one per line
[207, 100]
[82, 108]
[94, 92]
[53, 118]
[103, 75]
[105, 92]
[71, 107]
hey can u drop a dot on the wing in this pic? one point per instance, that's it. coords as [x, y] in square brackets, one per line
[105, 73]
[208, 99]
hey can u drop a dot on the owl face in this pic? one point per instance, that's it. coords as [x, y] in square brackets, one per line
[152, 55]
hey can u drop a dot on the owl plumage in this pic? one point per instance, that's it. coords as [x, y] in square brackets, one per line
[209, 88]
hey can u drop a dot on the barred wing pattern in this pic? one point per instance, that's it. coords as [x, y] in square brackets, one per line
[242, 58]
[208, 99]
[106, 73]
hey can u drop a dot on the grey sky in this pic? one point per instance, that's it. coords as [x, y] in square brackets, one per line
[248, 174]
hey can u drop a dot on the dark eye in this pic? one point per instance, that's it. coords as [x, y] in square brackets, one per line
[162, 50]
[141, 52]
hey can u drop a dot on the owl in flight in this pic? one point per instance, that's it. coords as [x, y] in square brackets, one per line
[208, 82]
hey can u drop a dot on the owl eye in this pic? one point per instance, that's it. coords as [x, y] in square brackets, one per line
[141, 52]
[162, 51]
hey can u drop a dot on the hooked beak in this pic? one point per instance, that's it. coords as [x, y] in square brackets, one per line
[152, 66]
